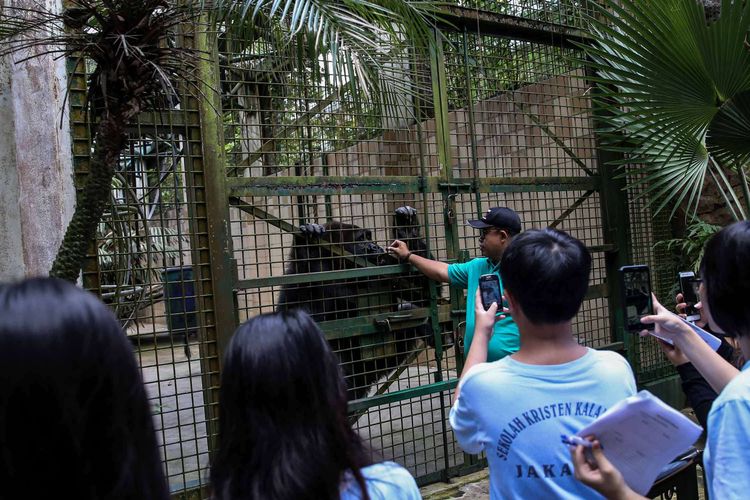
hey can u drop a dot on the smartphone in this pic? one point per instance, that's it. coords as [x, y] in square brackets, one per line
[489, 288]
[689, 287]
[636, 297]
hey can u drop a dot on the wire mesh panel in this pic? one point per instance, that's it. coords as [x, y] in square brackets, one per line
[646, 230]
[521, 125]
[146, 265]
[564, 12]
[322, 177]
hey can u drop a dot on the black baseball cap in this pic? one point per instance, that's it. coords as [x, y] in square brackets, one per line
[500, 217]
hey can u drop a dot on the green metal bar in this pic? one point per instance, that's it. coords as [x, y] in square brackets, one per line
[615, 224]
[315, 185]
[443, 139]
[368, 325]
[548, 131]
[323, 276]
[536, 184]
[572, 208]
[219, 237]
[440, 104]
[364, 404]
[518, 28]
[338, 185]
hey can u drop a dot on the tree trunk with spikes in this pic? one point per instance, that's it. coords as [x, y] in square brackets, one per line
[109, 141]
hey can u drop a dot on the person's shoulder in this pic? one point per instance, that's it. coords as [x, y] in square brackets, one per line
[485, 371]
[390, 480]
[737, 390]
[609, 357]
[385, 469]
[472, 263]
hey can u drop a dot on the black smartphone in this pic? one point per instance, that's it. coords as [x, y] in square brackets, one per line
[636, 297]
[689, 287]
[489, 288]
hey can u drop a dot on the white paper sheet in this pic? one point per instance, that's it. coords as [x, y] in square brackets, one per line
[640, 435]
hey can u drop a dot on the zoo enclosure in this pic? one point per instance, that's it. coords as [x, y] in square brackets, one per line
[508, 122]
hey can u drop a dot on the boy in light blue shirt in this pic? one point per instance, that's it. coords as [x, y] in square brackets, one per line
[515, 409]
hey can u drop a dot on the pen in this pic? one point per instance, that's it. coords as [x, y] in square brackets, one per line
[574, 440]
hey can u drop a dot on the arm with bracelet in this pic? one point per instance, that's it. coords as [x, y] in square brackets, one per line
[433, 269]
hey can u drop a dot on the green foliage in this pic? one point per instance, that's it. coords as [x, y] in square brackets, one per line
[688, 251]
[675, 90]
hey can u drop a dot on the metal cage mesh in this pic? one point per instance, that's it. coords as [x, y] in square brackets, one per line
[517, 130]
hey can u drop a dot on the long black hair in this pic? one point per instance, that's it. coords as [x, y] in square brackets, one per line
[283, 428]
[74, 418]
[725, 269]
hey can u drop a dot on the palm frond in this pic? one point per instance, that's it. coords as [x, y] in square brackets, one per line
[676, 91]
[369, 43]
[129, 42]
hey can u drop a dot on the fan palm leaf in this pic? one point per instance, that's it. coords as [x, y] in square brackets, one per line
[676, 92]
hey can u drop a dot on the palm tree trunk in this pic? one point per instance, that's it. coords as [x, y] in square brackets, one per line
[109, 141]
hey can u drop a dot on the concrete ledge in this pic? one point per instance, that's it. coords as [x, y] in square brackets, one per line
[472, 486]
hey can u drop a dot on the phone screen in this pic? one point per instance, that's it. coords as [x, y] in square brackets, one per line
[489, 287]
[689, 286]
[636, 297]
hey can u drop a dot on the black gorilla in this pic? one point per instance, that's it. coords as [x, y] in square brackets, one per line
[315, 250]
[318, 248]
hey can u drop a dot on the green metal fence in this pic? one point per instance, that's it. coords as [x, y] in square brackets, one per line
[206, 211]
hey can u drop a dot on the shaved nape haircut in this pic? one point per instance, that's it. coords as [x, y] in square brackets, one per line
[547, 272]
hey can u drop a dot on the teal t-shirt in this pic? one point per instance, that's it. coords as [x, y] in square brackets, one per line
[505, 338]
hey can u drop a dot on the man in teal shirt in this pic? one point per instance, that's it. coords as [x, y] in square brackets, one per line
[498, 227]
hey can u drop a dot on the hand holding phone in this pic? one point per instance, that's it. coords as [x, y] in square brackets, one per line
[489, 287]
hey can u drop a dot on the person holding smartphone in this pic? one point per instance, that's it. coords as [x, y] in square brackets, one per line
[516, 409]
[698, 391]
[498, 226]
[725, 270]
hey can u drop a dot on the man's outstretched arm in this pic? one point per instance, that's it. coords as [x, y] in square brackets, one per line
[433, 269]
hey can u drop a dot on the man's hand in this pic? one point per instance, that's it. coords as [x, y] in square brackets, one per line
[399, 249]
[600, 474]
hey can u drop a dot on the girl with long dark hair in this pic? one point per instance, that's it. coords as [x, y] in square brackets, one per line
[283, 427]
[74, 418]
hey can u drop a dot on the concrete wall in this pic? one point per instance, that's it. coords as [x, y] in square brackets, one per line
[37, 196]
